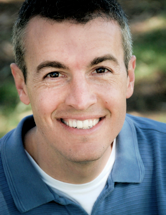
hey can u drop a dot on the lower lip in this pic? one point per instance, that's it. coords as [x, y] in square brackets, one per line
[83, 131]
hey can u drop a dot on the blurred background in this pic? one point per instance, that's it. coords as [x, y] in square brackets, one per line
[148, 25]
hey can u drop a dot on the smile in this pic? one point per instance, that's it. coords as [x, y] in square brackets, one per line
[85, 124]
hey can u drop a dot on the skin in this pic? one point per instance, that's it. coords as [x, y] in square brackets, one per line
[92, 83]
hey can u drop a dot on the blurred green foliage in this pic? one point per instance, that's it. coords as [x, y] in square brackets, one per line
[150, 50]
[9, 97]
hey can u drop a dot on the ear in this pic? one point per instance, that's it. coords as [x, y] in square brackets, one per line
[20, 83]
[131, 77]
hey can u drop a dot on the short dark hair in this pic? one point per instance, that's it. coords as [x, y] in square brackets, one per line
[79, 11]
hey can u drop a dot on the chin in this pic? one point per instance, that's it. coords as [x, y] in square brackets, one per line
[85, 157]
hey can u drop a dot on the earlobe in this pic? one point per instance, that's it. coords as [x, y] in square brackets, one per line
[131, 77]
[20, 83]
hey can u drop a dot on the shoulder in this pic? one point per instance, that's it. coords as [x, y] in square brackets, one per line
[151, 137]
[145, 124]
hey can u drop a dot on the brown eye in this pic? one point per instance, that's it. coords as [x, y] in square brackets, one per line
[101, 70]
[53, 75]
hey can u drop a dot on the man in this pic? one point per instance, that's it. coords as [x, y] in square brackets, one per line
[79, 153]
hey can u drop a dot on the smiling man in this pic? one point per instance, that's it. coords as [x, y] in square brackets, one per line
[79, 153]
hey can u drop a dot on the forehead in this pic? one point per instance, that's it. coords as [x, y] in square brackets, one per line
[47, 38]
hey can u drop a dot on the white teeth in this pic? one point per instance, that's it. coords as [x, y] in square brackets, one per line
[86, 124]
[94, 122]
[79, 124]
[74, 124]
[91, 123]
[70, 123]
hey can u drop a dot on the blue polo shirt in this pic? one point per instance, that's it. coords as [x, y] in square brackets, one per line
[136, 184]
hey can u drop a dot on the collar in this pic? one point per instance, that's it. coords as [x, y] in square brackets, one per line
[128, 166]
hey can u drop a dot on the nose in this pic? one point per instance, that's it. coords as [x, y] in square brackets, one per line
[81, 94]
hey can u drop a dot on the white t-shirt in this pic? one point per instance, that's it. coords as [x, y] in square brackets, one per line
[84, 194]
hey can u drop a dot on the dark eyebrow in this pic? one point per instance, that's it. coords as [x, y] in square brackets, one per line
[54, 64]
[98, 60]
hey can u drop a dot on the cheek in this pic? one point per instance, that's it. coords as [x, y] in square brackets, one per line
[44, 102]
[113, 95]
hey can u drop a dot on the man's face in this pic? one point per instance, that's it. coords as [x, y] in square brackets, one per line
[77, 85]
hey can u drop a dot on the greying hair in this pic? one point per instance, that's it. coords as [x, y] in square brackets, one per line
[78, 11]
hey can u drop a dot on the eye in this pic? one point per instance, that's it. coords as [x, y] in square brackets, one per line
[102, 70]
[53, 75]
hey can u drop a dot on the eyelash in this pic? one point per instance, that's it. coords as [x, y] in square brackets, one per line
[58, 74]
[51, 73]
[102, 68]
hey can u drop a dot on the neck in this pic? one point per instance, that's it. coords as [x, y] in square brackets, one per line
[54, 164]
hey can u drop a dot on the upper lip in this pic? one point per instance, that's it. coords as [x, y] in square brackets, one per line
[81, 118]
